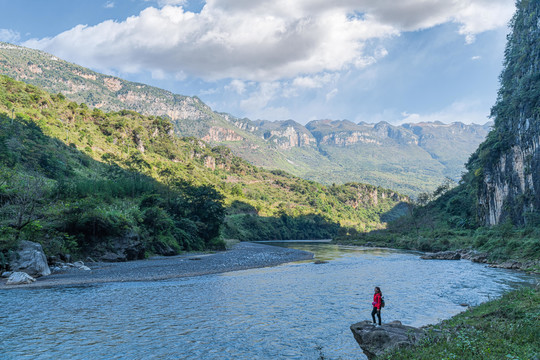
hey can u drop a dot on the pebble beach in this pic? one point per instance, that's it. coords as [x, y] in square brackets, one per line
[240, 257]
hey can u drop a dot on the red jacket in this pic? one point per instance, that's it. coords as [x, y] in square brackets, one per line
[377, 301]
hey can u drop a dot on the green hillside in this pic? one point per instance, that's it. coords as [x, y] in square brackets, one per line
[82, 181]
[411, 158]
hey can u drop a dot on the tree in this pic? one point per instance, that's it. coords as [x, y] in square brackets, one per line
[24, 197]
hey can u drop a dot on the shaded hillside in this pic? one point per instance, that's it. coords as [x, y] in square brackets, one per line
[410, 158]
[104, 176]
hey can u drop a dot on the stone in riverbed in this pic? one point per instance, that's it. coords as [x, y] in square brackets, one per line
[31, 259]
[442, 255]
[19, 278]
[374, 341]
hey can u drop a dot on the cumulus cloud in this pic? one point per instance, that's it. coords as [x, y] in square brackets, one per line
[314, 81]
[9, 36]
[263, 40]
[260, 102]
[109, 5]
[238, 86]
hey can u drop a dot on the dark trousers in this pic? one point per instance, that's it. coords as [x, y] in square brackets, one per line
[378, 312]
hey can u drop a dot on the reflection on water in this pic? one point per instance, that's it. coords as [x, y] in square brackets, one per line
[293, 311]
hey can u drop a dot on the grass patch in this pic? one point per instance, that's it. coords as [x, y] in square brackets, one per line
[506, 328]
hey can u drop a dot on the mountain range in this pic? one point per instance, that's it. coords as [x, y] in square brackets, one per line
[410, 158]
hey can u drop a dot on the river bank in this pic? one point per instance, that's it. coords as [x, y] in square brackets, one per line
[240, 257]
[505, 328]
[528, 264]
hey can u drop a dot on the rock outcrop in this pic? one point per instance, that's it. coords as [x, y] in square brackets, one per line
[31, 259]
[126, 248]
[531, 266]
[375, 340]
[472, 255]
[19, 278]
[443, 255]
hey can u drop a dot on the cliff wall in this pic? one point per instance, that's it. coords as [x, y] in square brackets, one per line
[508, 162]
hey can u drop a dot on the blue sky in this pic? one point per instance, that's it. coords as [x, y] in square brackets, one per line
[361, 60]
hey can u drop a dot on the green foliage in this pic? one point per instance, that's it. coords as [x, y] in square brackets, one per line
[120, 174]
[251, 227]
[449, 223]
[516, 113]
[506, 328]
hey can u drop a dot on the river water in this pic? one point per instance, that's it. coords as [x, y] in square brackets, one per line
[292, 311]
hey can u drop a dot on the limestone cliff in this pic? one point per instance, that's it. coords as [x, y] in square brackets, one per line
[285, 134]
[507, 164]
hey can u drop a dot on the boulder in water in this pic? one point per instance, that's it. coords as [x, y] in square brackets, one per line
[375, 340]
[31, 259]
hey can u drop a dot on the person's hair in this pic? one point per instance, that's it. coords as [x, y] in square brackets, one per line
[378, 289]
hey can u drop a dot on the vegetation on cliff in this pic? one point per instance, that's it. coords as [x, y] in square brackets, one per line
[505, 169]
[79, 180]
[501, 185]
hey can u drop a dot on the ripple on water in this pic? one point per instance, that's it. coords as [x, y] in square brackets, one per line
[293, 311]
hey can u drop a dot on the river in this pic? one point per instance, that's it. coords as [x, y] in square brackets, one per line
[292, 311]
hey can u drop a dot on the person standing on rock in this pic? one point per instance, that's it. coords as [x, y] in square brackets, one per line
[377, 300]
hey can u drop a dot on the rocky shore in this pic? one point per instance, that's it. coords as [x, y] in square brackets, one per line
[240, 257]
[482, 257]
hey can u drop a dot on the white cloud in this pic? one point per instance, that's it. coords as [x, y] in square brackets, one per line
[158, 74]
[467, 112]
[476, 57]
[180, 76]
[167, 2]
[314, 81]
[238, 86]
[331, 94]
[478, 16]
[9, 36]
[410, 118]
[259, 103]
[263, 40]
[109, 5]
[211, 91]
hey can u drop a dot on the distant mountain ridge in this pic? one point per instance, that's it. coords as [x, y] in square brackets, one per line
[410, 158]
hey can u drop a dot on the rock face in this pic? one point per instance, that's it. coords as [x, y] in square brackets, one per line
[126, 248]
[508, 162]
[31, 259]
[19, 278]
[374, 341]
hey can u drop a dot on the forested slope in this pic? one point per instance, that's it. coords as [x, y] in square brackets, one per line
[83, 181]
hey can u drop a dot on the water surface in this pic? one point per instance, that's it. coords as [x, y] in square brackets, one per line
[292, 311]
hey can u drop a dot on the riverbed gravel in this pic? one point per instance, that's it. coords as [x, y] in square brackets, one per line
[240, 257]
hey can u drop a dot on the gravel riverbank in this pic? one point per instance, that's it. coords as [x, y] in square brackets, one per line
[242, 256]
